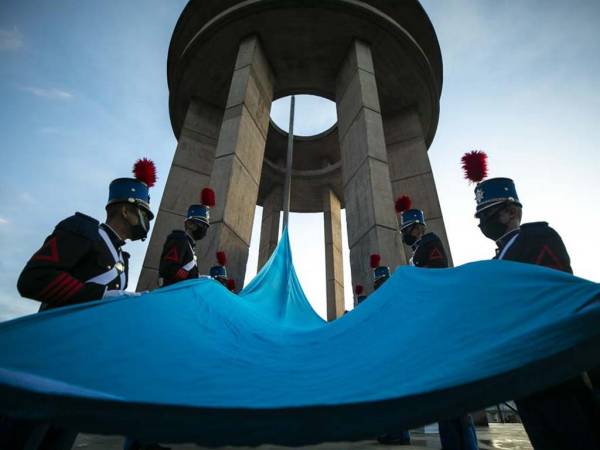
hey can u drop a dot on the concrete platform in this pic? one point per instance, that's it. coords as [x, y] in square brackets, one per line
[497, 436]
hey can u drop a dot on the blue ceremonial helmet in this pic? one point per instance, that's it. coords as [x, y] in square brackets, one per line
[495, 191]
[491, 192]
[218, 272]
[200, 213]
[410, 217]
[135, 190]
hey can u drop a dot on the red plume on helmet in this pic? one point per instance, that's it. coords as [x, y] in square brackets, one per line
[231, 284]
[221, 258]
[144, 170]
[403, 204]
[207, 197]
[474, 164]
[375, 260]
[359, 289]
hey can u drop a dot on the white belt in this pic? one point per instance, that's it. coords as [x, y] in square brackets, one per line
[118, 270]
[189, 266]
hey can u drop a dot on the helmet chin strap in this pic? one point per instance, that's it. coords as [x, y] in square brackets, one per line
[142, 223]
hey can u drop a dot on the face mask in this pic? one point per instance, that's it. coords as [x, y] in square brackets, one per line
[408, 239]
[492, 228]
[139, 231]
[199, 232]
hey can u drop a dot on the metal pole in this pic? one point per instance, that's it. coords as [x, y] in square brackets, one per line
[288, 171]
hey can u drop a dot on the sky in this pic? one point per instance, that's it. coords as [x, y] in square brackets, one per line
[84, 94]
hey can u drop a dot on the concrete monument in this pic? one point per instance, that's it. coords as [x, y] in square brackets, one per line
[379, 60]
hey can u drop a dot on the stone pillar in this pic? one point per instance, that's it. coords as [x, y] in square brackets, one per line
[371, 220]
[238, 161]
[189, 174]
[334, 266]
[269, 231]
[410, 170]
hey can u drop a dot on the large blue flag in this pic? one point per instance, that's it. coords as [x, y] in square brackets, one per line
[194, 362]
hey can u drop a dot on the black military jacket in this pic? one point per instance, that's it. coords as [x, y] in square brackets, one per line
[429, 252]
[178, 252]
[58, 273]
[535, 243]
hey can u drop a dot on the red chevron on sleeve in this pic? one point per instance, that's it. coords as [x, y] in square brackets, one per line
[547, 258]
[48, 252]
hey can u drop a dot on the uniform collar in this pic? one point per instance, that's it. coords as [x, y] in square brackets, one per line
[190, 239]
[113, 235]
[415, 245]
[506, 238]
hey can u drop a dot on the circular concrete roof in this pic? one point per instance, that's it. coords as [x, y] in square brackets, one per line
[306, 42]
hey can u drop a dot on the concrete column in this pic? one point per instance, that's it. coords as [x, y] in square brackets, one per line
[238, 161]
[410, 169]
[269, 231]
[189, 174]
[371, 220]
[334, 266]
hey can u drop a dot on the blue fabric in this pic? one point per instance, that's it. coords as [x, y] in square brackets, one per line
[195, 362]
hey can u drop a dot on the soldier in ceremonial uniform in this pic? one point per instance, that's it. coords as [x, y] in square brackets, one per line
[380, 273]
[428, 252]
[359, 290]
[563, 417]
[219, 272]
[178, 259]
[82, 261]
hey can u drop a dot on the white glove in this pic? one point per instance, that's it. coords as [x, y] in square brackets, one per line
[117, 293]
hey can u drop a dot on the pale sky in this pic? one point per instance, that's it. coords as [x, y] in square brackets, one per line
[84, 94]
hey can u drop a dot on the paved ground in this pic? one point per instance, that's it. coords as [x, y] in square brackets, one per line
[497, 436]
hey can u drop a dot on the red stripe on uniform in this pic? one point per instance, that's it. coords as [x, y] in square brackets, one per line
[74, 290]
[60, 294]
[181, 274]
[51, 295]
[59, 279]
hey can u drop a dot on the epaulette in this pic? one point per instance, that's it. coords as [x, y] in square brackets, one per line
[178, 234]
[81, 225]
[536, 228]
[534, 225]
[429, 237]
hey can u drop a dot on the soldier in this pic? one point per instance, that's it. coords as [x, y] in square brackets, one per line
[219, 272]
[380, 273]
[360, 294]
[428, 252]
[178, 259]
[79, 262]
[563, 416]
